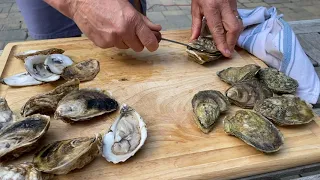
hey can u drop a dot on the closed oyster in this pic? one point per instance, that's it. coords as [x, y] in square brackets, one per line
[84, 104]
[84, 71]
[203, 50]
[233, 75]
[6, 115]
[125, 137]
[277, 81]
[61, 157]
[21, 136]
[57, 62]
[286, 110]
[245, 94]
[255, 130]
[48, 102]
[37, 69]
[21, 79]
[207, 106]
[24, 171]
[26, 54]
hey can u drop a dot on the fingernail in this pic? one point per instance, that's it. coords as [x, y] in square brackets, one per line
[227, 52]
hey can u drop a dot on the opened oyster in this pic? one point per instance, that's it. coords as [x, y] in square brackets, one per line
[245, 94]
[61, 157]
[233, 75]
[24, 171]
[84, 71]
[207, 106]
[286, 110]
[255, 130]
[21, 136]
[6, 115]
[125, 137]
[21, 79]
[84, 104]
[57, 63]
[277, 81]
[26, 54]
[203, 50]
[48, 102]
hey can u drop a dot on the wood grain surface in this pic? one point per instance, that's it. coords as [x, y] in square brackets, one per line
[160, 86]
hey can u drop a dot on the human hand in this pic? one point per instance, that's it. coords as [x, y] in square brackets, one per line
[222, 22]
[111, 23]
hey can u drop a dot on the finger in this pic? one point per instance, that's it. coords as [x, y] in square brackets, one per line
[146, 36]
[151, 25]
[196, 21]
[216, 28]
[103, 41]
[121, 45]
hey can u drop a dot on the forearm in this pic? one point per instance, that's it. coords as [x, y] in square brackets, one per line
[66, 7]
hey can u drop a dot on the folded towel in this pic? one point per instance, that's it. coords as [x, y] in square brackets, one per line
[268, 37]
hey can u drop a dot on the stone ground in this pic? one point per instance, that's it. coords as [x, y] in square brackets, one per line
[171, 14]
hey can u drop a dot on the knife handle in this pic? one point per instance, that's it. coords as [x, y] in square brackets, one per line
[158, 35]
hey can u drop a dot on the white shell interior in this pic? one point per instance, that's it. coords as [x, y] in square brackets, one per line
[57, 62]
[21, 79]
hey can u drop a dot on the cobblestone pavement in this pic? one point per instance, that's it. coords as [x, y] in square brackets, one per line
[171, 14]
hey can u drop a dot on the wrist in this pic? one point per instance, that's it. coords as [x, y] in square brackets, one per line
[66, 7]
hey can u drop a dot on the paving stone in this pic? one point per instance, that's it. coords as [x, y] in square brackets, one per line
[173, 13]
[311, 173]
[255, 1]
[313, 9]
[179, 21]
[190, 17]
[11, 26]
[3, 15]
[156, 16]
[13, 34]
[6, 9]
[5, 4]
[277, 5]
[185, 7]
[172, 8]
[244, 1]
[15, 16]
[158, 8]
[14, 8]
[285, 10]
[182, 2]
[290, 177]
[166, 2]
[254, 5]
[1, 44]
[23, 26]
[276, 1]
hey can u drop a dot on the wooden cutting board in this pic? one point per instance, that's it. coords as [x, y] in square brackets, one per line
[160, 86]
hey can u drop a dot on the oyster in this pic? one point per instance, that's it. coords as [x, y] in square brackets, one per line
[233, 75]
[36, 68]
[286, 110]
[57, 62]
[277, 81]
[24, 171]
[6, 115]
[203, 50]
[255, 130]
[26, 54]
[61, 157]
[245, 94]
[207, 106]
[21, 136]
[125, 137]
[48, 102]
[21, 79]
[84, 104]
[84, 71]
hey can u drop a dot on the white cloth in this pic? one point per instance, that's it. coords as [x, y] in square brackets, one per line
[271, 39]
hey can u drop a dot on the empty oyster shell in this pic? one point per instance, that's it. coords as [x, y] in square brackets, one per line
[245, 94]
[125, 137]
[61, 157]
[255, 130]
[207, 106]
[286, 110]
[84, 71]
[21, 79]
[57, 63]
[233, 75]
[24, 171]
[26, 54]
[203, 50]
[21, 136]
[48, 102]
[84, 104]
[6, 115]
[277, 81]
[37, 69]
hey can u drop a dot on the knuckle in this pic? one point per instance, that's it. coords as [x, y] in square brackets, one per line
[235, 28]
[218, 29]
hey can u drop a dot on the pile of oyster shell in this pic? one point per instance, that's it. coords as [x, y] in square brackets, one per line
[21, 132]
[266, 97]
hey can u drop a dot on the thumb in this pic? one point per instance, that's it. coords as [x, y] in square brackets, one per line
[196, 22]
[151, 25]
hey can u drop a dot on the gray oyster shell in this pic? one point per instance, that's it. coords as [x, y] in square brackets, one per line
[255, 130]
[84, 71]
[6, 115]
[234, 75]
[26, 54]
[23, 171]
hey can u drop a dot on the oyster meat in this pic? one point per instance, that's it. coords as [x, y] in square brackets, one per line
[26, 54]
[48, 102]
[6, 115]
[286, 110]
[61, 157]
[125, 137]
[57, 62]
[22, 136]
[207, 106]
[245, 94]
[203, 50]
[255, 130]
[277, 81]
[233, 75]
[84, 104]
[21, 79]
[24, 171]
[84, 71]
